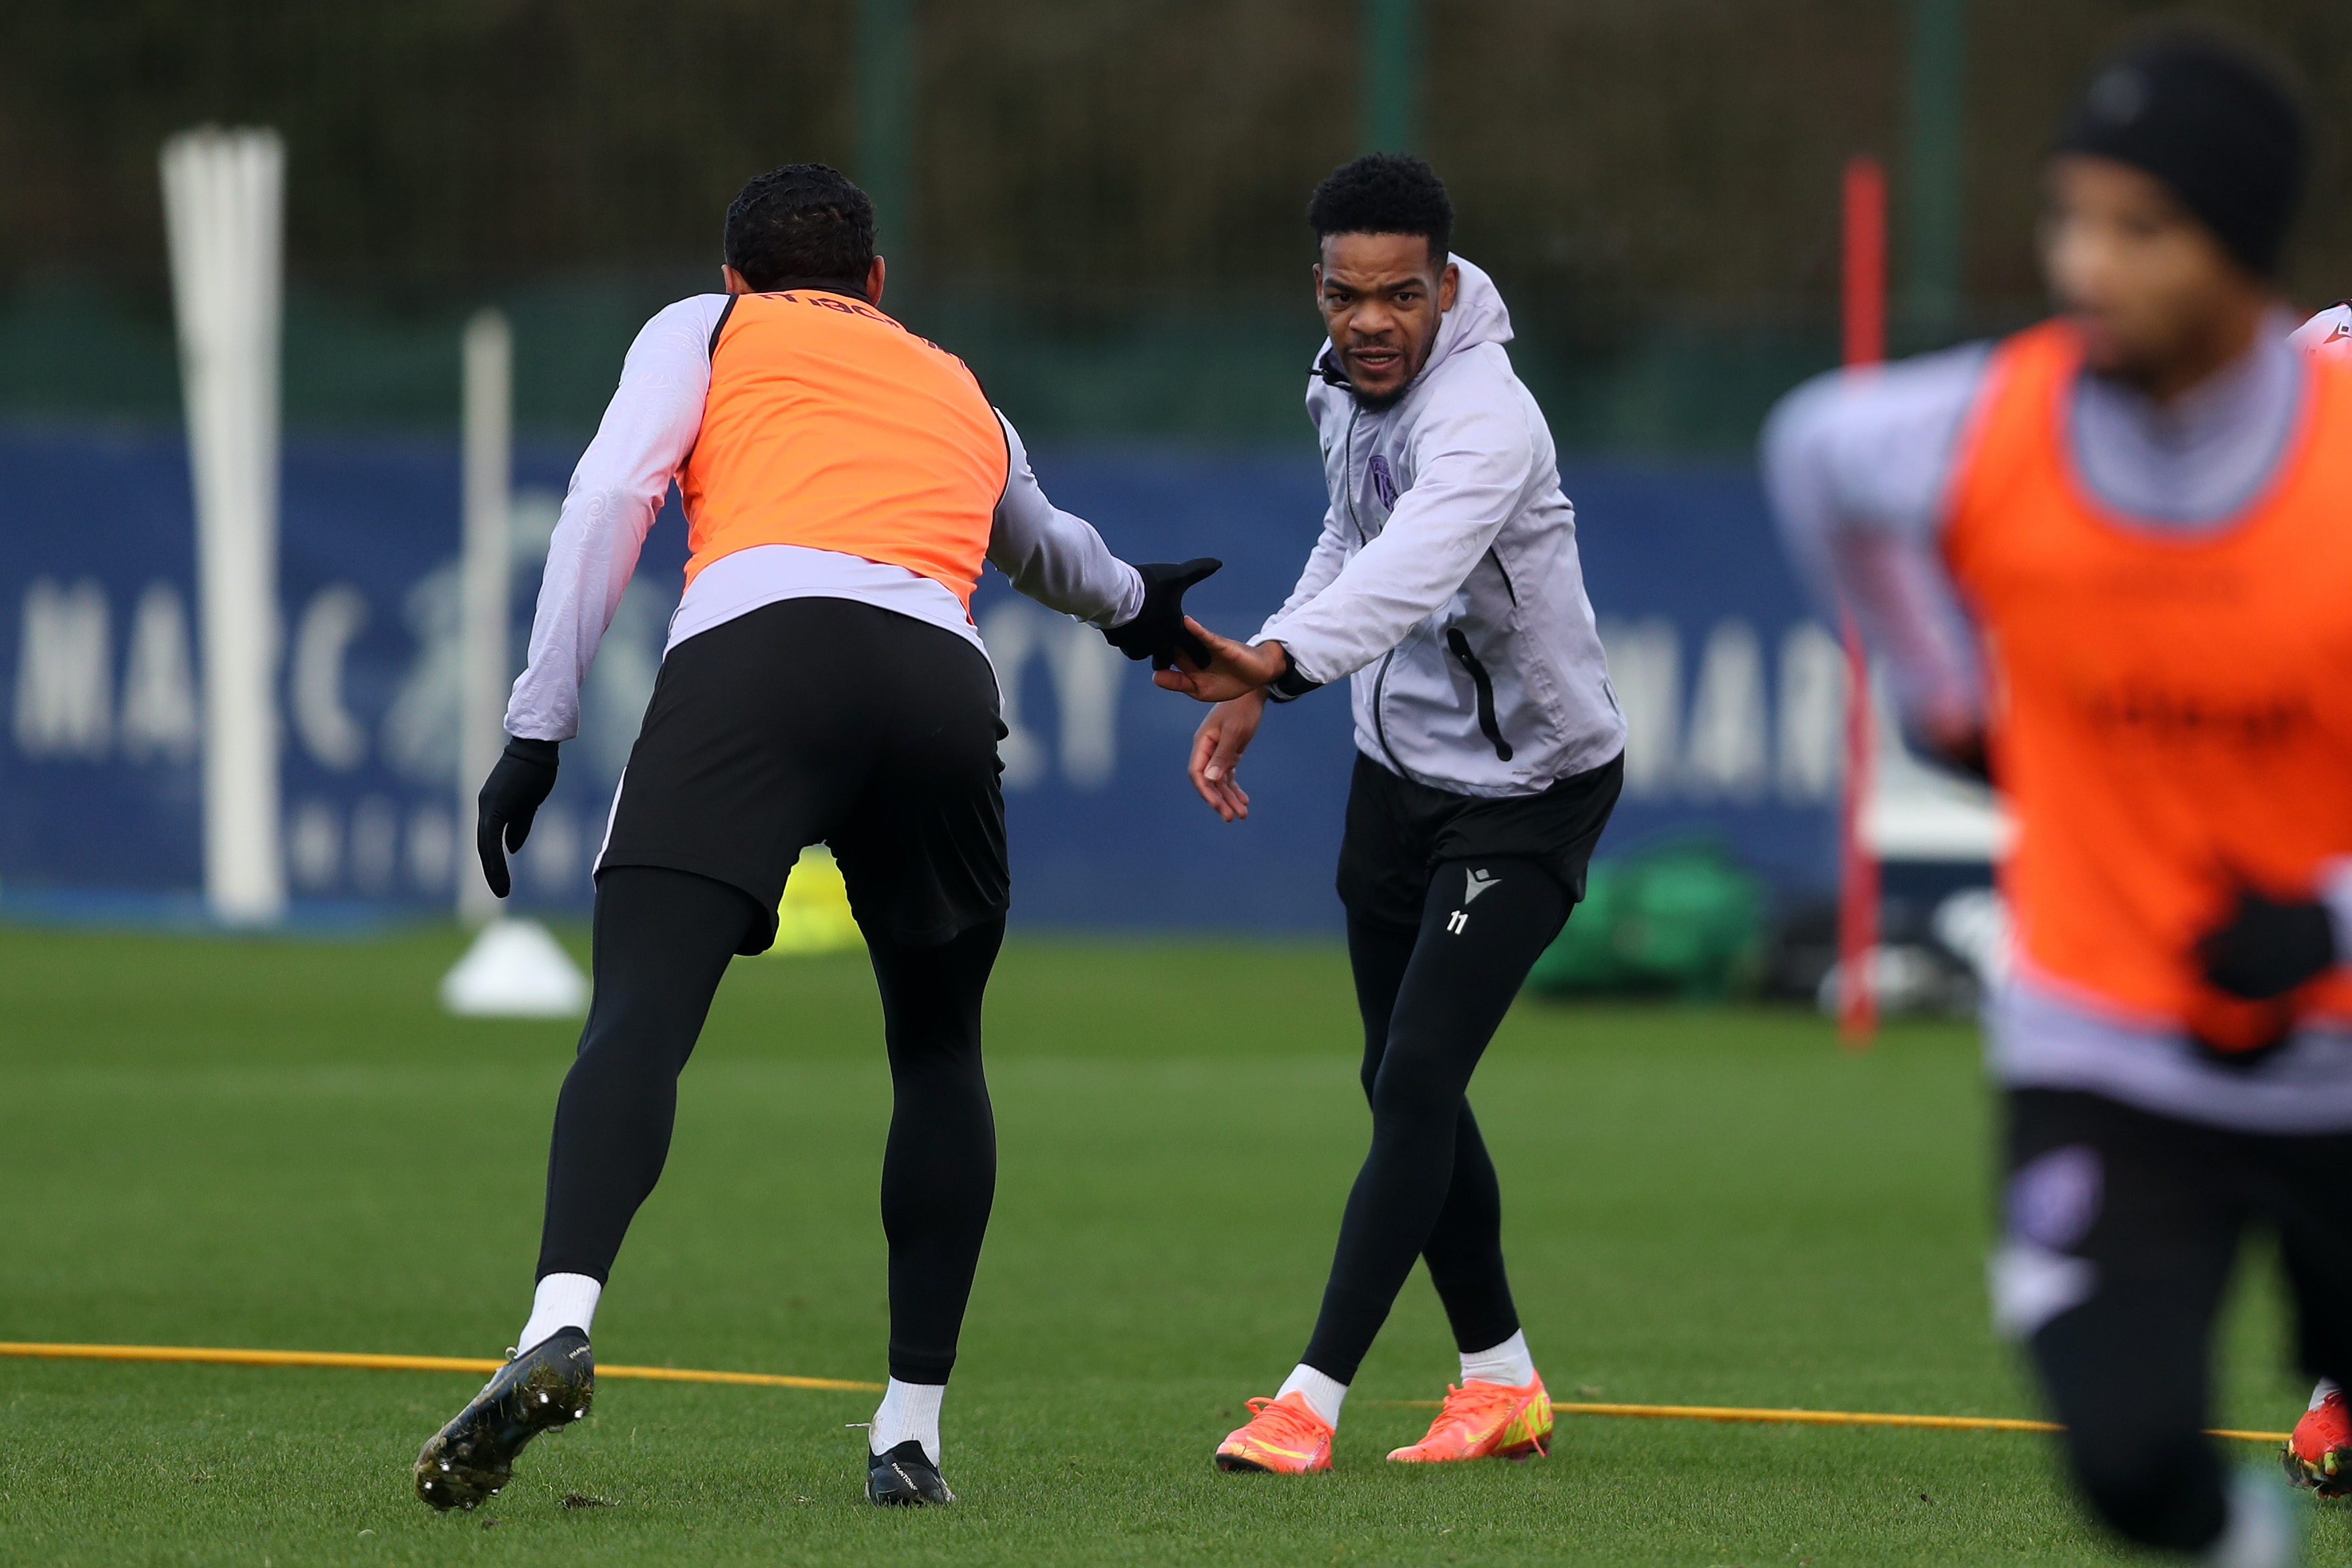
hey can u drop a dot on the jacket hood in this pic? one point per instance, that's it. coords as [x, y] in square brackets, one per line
[1479, 316]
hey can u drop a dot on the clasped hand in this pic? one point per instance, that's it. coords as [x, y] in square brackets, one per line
[1233, 669]
[1233, 678]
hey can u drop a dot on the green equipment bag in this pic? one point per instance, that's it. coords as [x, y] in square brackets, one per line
[1683, 917]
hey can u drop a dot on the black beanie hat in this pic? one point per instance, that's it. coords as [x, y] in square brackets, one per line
[2215, 124]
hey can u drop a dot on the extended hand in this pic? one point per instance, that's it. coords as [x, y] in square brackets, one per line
[1955, 740]
[512, 796]
[1158, 631]
[1231, 670]
[1217, 747]
[2266, 948]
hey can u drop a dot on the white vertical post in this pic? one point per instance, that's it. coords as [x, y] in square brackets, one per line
[485, 571]
[223, 208]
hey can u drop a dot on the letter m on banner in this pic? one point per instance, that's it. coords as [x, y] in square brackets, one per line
[65, 677]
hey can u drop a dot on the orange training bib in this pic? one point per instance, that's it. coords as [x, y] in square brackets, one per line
[830, 426]
[2171, 716]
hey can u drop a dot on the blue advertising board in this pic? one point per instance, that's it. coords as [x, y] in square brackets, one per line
[1733, 691]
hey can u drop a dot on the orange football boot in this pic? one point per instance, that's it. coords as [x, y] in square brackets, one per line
[1283, 1435]
[2319, 1455]
[1486, 1421]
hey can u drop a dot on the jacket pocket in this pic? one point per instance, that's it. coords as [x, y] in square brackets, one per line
[1459, 646]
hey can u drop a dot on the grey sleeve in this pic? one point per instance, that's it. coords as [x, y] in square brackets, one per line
[1054, 558]
[1323, 563]
[647, 432]
[1474, 458]
[1857, 465]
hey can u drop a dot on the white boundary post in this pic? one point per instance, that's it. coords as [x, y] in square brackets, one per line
[486, 573]
[223, 208]
[514, 969]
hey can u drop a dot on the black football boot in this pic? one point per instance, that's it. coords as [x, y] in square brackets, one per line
[904, 1477]
[551, 1385]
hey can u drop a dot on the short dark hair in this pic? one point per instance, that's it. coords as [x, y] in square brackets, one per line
[803, 222]
[1385, 193]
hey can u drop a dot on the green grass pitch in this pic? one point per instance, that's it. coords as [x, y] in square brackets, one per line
[266, 1143]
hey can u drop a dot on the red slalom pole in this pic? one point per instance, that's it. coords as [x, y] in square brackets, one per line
[1865, 261]
[1865, 313]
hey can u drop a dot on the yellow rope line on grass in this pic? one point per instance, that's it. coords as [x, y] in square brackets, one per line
[771, 1380]
[1822, 1417]
[402, 1364]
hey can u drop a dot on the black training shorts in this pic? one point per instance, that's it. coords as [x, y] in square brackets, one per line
[1399, 832]
[825, 720]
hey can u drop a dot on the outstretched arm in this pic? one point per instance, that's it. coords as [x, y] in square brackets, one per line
[1323, 563]
[1473, 467]
[1054, 558]
[1857, 466]
[647, 432]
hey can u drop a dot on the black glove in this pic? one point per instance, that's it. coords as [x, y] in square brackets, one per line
[1156, 632]
[2266, 948]
[517, 787]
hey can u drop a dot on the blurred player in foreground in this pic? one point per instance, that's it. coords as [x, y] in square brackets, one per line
[2319, 1454]
[2107, 562]
[843, 482]
[1446, 583]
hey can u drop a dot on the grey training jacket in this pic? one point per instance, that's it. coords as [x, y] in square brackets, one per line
[1446, 580]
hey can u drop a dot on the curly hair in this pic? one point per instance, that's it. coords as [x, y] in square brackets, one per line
[1385, 193]
[802, 222]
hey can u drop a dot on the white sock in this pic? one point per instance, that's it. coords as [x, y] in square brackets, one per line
[1506, 1363]
[2319, 1395]
[909, 1410]
[562, 1301]
[2262, 1530]
[1324, 1395]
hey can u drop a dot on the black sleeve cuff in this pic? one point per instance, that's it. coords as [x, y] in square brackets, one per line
[1290, 686]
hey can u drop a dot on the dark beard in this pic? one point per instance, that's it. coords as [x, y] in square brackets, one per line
[1332, 369]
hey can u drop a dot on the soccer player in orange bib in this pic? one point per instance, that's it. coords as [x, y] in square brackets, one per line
[2107, 560]
[842, 482]
[2319, 1452]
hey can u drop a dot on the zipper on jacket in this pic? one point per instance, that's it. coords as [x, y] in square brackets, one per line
[1347, 472]
[1460, 647]
[1381, 724]
[1380, 681]
[1505, 573]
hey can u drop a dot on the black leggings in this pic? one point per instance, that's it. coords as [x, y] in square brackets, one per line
[2122, 1229]
[1432, 999]
[663, 940]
